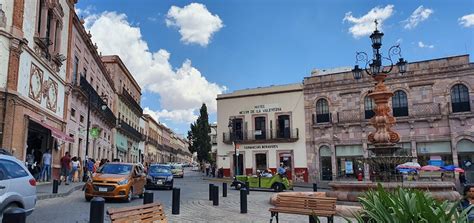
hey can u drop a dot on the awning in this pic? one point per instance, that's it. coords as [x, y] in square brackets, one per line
[56, 133]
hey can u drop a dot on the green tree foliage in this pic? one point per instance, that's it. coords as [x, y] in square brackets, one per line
[406, 206]
[198, 135]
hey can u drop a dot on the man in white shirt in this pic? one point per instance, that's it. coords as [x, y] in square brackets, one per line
[46, 166]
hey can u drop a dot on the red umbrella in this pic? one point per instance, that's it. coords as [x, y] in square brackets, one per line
[458, 170]
[431, 168]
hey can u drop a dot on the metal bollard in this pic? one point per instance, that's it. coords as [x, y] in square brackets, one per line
[210, 191]
[17, 215]
[55, 186]
[224, 189]
[247, 184]
[312, 219]
[97, 210]
[315, 187]
[147, 197]
[243, 201]
[175, 202]
[215, 200]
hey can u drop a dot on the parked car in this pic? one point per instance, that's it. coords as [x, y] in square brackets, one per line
[117, 180]
[17, 185]
[276, 182]
[177, 170]
[159, 176]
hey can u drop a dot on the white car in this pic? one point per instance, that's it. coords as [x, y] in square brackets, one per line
[17, 185]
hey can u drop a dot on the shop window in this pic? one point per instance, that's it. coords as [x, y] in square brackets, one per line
[465, 149]
[237, 129]
[435, 153]
[322, 111]
[349, 160]
[400, 104]
[325, 163]
[261, 161]
[260, 131]
[460, 98]
[369, 106]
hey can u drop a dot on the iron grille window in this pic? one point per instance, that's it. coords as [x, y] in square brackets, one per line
[322, 111]
[460, 98]
[369, 107]
[400, 104]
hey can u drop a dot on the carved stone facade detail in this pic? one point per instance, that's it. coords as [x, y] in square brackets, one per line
[36, 83]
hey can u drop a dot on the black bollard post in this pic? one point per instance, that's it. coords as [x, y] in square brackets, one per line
[97, 210]
[315, 187]
[147, 197]
[247, 184]
[224, 189]
[215, 200]
[175, 203]
[17, 215]
[312, 219]
[243, 201]
[210, 191]
[55, 186]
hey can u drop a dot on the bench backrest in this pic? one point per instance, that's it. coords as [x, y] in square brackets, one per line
[306, 202]
[430, 174]
[143, 213]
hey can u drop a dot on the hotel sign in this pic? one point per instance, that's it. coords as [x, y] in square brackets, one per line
[274, 146]
[261, 109]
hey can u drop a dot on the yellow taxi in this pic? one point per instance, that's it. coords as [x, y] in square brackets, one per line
[117, 180]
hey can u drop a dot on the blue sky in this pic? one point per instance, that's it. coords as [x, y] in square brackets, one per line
[184, 53]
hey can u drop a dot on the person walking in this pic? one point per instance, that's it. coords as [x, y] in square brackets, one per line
[46, 171]
[65, 168]
[281, 170]
[208, 166]
[75, 164]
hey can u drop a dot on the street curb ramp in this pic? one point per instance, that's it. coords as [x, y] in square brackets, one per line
[49, 196]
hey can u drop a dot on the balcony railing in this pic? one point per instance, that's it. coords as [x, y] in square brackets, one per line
[319, 119]
[264, 135]
[348, 116]
[131, 100]
[425, 109]
[129, 130]
[96, 101]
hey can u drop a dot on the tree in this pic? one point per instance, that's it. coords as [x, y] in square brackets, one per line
[198, 136]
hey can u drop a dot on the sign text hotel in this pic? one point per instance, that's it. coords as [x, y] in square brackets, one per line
[262, 109]
[261, 147]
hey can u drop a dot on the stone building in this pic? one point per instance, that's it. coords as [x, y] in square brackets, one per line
[152, 140]
[433, 105]
[91, 99]
[128, 110]
[34, 36]
[266, 127]
[213, 135]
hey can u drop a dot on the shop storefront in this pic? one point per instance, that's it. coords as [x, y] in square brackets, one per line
[434, 151]
[465, 150]
[349, 160]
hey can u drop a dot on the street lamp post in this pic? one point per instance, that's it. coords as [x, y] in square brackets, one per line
[383, 120]
[103, 107]
[232, 138]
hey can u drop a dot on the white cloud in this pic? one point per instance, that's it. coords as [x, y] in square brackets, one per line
[195, 23]
[365, 25]
[423, 45]
[178, 116]
[181, 90]
[467, 20]
[420, 14]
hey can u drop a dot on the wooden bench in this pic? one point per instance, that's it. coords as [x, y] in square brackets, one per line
[143, 213]
[304, 205]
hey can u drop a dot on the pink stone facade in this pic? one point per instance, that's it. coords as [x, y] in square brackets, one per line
[431, 130]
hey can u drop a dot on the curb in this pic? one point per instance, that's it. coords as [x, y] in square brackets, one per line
[49, 196]
[229, 180]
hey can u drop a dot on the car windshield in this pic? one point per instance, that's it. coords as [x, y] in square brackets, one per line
[176, 167]
[122, 169]
[159, 169]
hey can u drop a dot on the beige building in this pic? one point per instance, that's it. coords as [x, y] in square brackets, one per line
[433, 105]
[128, 110]
[91, 99]
[268, 127]
[34, 39]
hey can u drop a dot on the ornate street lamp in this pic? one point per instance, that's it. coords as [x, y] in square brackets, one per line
[383, 120]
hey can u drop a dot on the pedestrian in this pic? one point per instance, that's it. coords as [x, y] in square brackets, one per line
[46, 171]
[468, 202]
[75, 164]
[80, 170]
[65, 168]
[90, 168]
[213, 170]
[281, 170]
[207, 165]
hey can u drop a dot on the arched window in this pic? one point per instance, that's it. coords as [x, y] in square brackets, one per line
[400, 104]
[369, 106]
[460, 98]
[322, 111]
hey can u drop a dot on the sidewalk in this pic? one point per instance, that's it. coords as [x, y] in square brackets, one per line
[44, 190]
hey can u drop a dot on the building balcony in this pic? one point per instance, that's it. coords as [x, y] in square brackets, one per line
[96, 101]
[131, 101]
[129, 130]
[262, 136]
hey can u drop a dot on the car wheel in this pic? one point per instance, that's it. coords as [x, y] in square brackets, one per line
[88, 198]
[130, 195]
[12, 205]
[277, 187]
